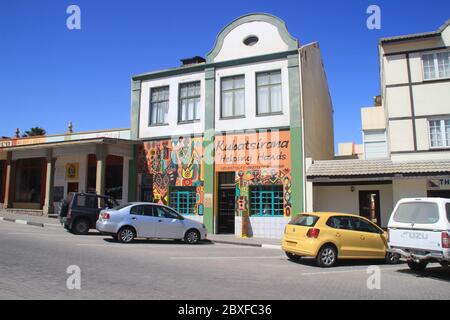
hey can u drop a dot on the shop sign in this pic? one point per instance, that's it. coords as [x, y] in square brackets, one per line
[253, 151]
[5, 144]
[439, 184]
[72, 171]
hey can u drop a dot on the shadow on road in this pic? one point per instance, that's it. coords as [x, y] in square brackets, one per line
[159, 241]
[311, 262]
[436, 273]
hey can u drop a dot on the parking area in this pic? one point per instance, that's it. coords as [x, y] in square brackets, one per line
[34, 262]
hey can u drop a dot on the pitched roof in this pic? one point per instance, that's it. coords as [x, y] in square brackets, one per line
[416, 35]
[376, 167]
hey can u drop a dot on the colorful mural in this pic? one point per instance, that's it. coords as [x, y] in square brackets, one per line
[173, 162]
[257, 159]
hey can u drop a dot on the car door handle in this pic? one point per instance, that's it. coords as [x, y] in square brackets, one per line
[133, 218]
[338, 235]
[362, 238]
[160, 220]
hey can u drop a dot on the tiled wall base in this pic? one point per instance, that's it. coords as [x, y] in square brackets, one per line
[263, 227]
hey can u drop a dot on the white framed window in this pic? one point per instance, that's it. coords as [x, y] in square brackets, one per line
[189, 106]
[375, 144]
[436, 65]
[439, 132]
[233, 97]
[268, 92]
[159, 105]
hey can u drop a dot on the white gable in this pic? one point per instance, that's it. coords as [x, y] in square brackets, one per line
[270, 41]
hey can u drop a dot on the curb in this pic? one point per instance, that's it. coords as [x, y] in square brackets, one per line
[36, 224]
[257, 245]
[30, 223]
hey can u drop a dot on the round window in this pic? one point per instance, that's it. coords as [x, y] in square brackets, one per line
[251, 40]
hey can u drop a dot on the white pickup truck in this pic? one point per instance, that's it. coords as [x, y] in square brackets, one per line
[419, 231]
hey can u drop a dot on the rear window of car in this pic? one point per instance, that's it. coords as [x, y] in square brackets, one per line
[305, 220]
[417, 213]
[447, 208]
[85, 201]
[121, 206]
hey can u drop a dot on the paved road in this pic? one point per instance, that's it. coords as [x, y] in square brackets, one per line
[33, 264]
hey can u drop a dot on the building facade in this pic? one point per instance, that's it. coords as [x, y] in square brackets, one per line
[224, 140]
[36, 173]
[406, 135]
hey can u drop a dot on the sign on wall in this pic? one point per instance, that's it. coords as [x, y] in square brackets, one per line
[252, 151]
[439, 184]
[72, 171]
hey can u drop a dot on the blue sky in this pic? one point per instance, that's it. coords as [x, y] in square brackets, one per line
[50, 75]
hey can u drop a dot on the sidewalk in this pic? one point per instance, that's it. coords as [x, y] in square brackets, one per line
[29, 219]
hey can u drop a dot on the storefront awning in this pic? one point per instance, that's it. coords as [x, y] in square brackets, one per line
[375, 169]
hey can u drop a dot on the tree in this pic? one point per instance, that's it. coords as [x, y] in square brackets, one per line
[35, 131]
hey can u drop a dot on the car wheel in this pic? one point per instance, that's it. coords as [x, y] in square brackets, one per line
[327, 256]
[126, 235]
[417, 266]
[392, 258]
[81, 226]
[292, 256]
[192, 237]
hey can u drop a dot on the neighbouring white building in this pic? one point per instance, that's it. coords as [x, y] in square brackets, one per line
[406, 135]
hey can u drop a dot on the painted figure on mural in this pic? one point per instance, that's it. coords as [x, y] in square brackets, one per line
[175, 162]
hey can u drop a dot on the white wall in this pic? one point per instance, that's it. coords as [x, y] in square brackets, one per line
[401, 136]
[173, 128]
[233, 47]
[251, 120]
[398, 102]
[432, 98]
[395, 69]
[409, 188]
[341, 199]
[317, 107]
[60, 172]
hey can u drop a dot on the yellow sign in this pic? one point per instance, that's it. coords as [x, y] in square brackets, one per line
[72, 171]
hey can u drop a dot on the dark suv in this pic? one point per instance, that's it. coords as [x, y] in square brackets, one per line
[79, 211]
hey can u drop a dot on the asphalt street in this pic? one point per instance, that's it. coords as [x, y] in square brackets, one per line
[34, 262]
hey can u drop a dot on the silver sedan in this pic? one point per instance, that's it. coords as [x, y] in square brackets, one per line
[149, 220]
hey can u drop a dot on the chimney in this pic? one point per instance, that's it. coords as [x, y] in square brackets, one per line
[17, 133]
[192, 61]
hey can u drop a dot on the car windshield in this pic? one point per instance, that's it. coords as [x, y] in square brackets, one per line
[304, 220]
[417, 212]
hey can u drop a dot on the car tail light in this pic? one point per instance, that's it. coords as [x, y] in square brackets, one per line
[105, 216]
[388, 235]
[313, 233]
[69, 213]
[445, 240]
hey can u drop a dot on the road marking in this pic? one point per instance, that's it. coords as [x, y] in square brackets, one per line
[271, 246]
[224, 258]
[21, 221]
[343, 271]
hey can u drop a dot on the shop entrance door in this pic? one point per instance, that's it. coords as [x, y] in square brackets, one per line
[438, 193]
[369, 205]
[227, 203]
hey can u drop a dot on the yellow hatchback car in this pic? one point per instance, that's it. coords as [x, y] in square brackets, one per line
[330, 236]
